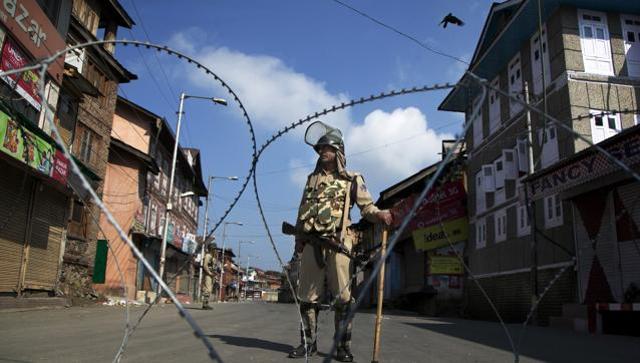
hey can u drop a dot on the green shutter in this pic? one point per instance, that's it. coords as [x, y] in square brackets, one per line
[100, 263]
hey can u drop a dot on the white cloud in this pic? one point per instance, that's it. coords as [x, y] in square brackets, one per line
[393, 145]
[274, 94]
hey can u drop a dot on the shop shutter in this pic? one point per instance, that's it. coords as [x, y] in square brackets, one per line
[630, 249]
[14, 199]
[47, 232]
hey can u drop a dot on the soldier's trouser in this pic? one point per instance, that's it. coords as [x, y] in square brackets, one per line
[207, 288]
[309, 328]
[311, 287]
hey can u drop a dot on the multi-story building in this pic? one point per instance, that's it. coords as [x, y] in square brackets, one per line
[33, 183]
[578, 59]
[101, 73]
[183, 217]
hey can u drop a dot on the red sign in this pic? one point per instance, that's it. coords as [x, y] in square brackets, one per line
[13, 58]
[34, 31]
[60, 169]
[441, 204]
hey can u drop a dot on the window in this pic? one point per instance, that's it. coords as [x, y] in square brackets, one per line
[552, 211]
[603, 126]
[476, 119]
[99, 81]
[631, 35]
[488, 179]
[636, 119]
[481, 233]
[523, 155]
[87, 149]
[480, 193]
[515, 85]
[524, 222]
[500, 220]
[77, 212]
[499, 174]
[494, 107]
[510, 164]
[549, 142]
[153, 218]
[594, 39]
[86, 15]
[540, 64]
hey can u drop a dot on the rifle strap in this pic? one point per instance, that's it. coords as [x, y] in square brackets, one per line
[345, 213]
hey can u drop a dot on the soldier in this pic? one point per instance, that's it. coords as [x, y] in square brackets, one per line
[207, 268]
[324, 211]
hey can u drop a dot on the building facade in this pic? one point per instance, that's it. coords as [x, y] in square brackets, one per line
[98, 68]
[577, 61]
[33, 182]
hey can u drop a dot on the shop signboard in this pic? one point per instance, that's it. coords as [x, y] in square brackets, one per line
[445, 265]
[443, 203]
[31, 27]
[25, 83]
[441, 234]
[31, 149]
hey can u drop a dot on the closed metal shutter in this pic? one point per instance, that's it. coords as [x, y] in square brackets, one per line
[630, 249]
[606, 250]
[15, 189]
[47, 232]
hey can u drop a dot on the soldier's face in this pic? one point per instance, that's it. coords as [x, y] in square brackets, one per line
[327, 154]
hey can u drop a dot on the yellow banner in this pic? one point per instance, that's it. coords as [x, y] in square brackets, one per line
[445, 265]
[432, 237]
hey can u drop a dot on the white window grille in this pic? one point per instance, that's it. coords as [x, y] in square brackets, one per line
[500, 219]
[603, 126]
[594, 40]
[510, 164]
[549, 154]
[481, 233]
[552, 211]
[515, 85]
[537, 60]
[494, 107]
[480, 193]
[488, 179]
[523, 155]
[524, 223]
[631, 35]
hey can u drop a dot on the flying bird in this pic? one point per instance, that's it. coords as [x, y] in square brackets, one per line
[450, 18]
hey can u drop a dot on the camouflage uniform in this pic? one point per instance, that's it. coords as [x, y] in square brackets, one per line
[321, 212]
[207, 288]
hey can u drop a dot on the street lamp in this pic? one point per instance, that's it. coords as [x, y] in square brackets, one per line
[224, 241]
[163, 247]
[238, 278]
[204, 229]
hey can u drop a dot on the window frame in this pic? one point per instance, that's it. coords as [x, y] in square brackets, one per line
[553, 211]
[500, 225]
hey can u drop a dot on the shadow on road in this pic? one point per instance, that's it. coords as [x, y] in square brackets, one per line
[253, 343]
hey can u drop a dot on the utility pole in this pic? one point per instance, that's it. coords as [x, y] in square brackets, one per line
[531, 208]
[169, 206]
[204, 235]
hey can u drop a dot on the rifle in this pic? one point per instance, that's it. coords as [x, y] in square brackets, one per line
[359, 258]
[330, 243]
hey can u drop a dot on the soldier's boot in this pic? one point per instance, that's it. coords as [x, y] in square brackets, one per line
[308, 331]
[343, 353]
[205, 305]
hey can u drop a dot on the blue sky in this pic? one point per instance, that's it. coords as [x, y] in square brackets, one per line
[286, 59]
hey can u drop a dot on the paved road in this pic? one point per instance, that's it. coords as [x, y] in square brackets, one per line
[266, 332]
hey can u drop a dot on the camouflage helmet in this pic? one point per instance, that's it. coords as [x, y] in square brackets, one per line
[319, 134]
